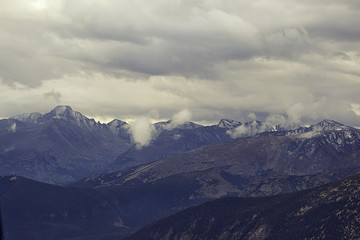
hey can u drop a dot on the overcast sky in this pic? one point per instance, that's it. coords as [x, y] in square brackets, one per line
[215, 58]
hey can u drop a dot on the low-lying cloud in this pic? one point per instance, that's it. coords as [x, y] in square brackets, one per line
[272, 122]
[12, 128]
[178, 119]
[142, 132]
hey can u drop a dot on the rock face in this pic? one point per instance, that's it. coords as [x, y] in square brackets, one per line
[327, 212]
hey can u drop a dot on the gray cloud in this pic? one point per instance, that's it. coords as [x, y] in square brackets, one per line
[54, 94]
[216, 58]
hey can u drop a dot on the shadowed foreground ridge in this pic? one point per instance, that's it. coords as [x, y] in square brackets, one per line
[327, 212]
[1, 232]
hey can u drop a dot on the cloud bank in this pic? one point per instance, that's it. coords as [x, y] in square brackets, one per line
[120, 59]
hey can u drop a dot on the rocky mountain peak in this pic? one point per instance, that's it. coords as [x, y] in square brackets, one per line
[329, 125]
[28, 117]
[62, 112]
[68, 114]
[116, 123]
[228, 123]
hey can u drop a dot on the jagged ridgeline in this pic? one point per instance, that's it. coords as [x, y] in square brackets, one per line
[182, 166]
[63, 145]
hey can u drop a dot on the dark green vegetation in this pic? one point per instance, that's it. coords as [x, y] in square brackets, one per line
[328, 212]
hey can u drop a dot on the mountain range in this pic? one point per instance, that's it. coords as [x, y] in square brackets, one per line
[238, 163]
[124, 187]
[63, 145]
[59, 146]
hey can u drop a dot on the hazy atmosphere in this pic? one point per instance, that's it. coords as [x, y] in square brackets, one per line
[203, 59]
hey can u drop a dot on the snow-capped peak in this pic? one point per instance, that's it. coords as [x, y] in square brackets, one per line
[66, 113]
[328, 125]
[116, 123]
[61, 109]
[228, 124]
[28, 117]
[63, 112]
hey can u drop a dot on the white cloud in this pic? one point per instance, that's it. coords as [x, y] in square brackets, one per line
[13, 128]
[252, 116]
[142, 132]
[295, 112]
[182, 117]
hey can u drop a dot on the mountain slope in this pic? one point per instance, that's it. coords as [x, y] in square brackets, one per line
[327, 212]
[170, 142]
[63, 145]
[290, 155]
[175, 139]
[122, 202]
[58, 147]
[257, 166]
[33, 210]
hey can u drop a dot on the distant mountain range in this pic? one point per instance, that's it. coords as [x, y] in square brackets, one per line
[63, 145]
[183, 166]
[327, 212]
[238, 161]
[60, 146]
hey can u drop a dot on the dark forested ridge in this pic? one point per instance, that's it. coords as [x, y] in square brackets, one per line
[327, 212]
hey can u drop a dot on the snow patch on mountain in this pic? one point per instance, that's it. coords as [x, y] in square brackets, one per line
[280, 125]
[273, 123]
[28, 117]
[177, 136]
[66, 112]
[327, 125]
[228, 124]
[13, 178]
